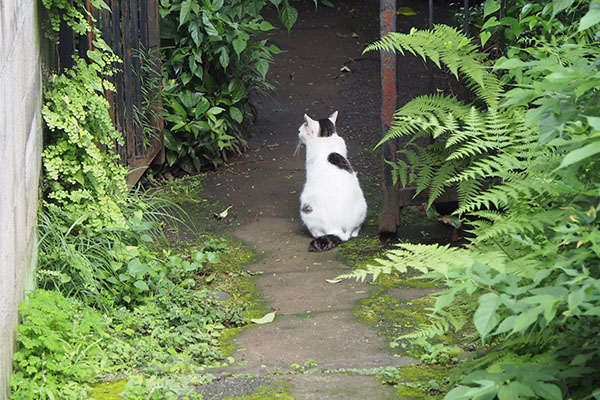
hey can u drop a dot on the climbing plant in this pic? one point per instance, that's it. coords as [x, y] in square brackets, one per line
[524, 159]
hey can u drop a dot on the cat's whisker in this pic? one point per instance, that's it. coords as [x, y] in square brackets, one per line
[297, 151]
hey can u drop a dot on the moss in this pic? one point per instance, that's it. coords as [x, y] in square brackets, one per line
[276, 390]
[360, 251]
[393, 317]
[108, 390]
[398, 280]
[417, 381]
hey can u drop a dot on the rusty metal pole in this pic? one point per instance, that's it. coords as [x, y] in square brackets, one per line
[389, 217]
[466, 15]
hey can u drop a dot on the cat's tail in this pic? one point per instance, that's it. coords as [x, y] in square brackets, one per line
[324, 243]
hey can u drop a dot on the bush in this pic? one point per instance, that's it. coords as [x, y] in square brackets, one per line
[211, 62]
[532, 262]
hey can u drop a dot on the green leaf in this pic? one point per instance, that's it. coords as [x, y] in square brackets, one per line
[575, 299]
[509, 63]
[224, 58]
[194, 29]
[525, 320]
[202, 106]
[267, 318]
[506, 325]
[215, 110]
[239, 44]
[581, 154]
[136, 268]
[592, 17]
[210, 28]
[100, 4]
[560, 5]
[547, 391]
[262, 67]
[288, 16]
[514, 390]
[184, 12]
[141, 285]
[484, 37]
[490, 6]
[236, 114]
[485, 318]
[490, 23]
[444, 300]
[265, 26]
[594, 122]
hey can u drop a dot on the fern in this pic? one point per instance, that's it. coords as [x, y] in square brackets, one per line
[447, 45]
[526, 170]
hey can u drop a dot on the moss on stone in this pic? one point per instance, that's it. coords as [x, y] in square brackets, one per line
[398, 280]
[360, 251]
[108, 390]
[276, 390]
[393, 317]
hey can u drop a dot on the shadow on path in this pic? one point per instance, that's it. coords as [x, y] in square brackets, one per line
[322, 70]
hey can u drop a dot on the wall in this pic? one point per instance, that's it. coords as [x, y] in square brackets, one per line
[20, 147]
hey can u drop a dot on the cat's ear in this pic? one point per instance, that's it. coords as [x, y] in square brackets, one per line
[313, 126]
[333, 117]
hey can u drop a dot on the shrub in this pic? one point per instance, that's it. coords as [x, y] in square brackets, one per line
[531, 264]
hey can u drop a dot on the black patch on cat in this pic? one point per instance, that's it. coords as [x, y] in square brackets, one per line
[327, 127]
[324, 243]
[340, 161]
[306, 209]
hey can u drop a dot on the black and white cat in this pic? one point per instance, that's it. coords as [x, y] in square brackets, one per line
[332, 204]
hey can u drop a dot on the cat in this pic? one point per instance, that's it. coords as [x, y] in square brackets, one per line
[332, 204]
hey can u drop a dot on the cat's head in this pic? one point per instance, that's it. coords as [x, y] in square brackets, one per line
[312, 129]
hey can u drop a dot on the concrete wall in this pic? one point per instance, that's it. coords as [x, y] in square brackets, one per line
[20, 147]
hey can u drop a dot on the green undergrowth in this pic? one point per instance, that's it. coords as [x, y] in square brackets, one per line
[229, 275]
[417, 381]
[404, 321]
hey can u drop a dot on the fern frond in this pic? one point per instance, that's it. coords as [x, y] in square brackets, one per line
[424, 258]
[447, 45]
[439, 324]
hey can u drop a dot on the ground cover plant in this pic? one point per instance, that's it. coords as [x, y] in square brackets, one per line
[115, 299]
[523, 156]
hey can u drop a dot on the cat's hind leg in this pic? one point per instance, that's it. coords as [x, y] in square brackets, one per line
[324, 243]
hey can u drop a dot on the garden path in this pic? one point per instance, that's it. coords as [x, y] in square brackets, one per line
[321, 71]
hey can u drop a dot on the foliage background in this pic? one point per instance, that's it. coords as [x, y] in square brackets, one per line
[523, 156]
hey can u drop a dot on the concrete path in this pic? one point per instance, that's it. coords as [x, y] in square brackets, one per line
[314, 329]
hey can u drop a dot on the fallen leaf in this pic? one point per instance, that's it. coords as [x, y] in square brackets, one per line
[223, 214]
[266, 319]
[405, 11]
[333, 280]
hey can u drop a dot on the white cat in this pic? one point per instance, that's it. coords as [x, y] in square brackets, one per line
[332, 205]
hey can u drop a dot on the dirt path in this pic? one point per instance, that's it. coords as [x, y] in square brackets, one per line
[323, 70]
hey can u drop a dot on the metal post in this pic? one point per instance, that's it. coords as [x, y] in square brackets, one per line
[466, 19]
[389, 218]
[429, 63]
